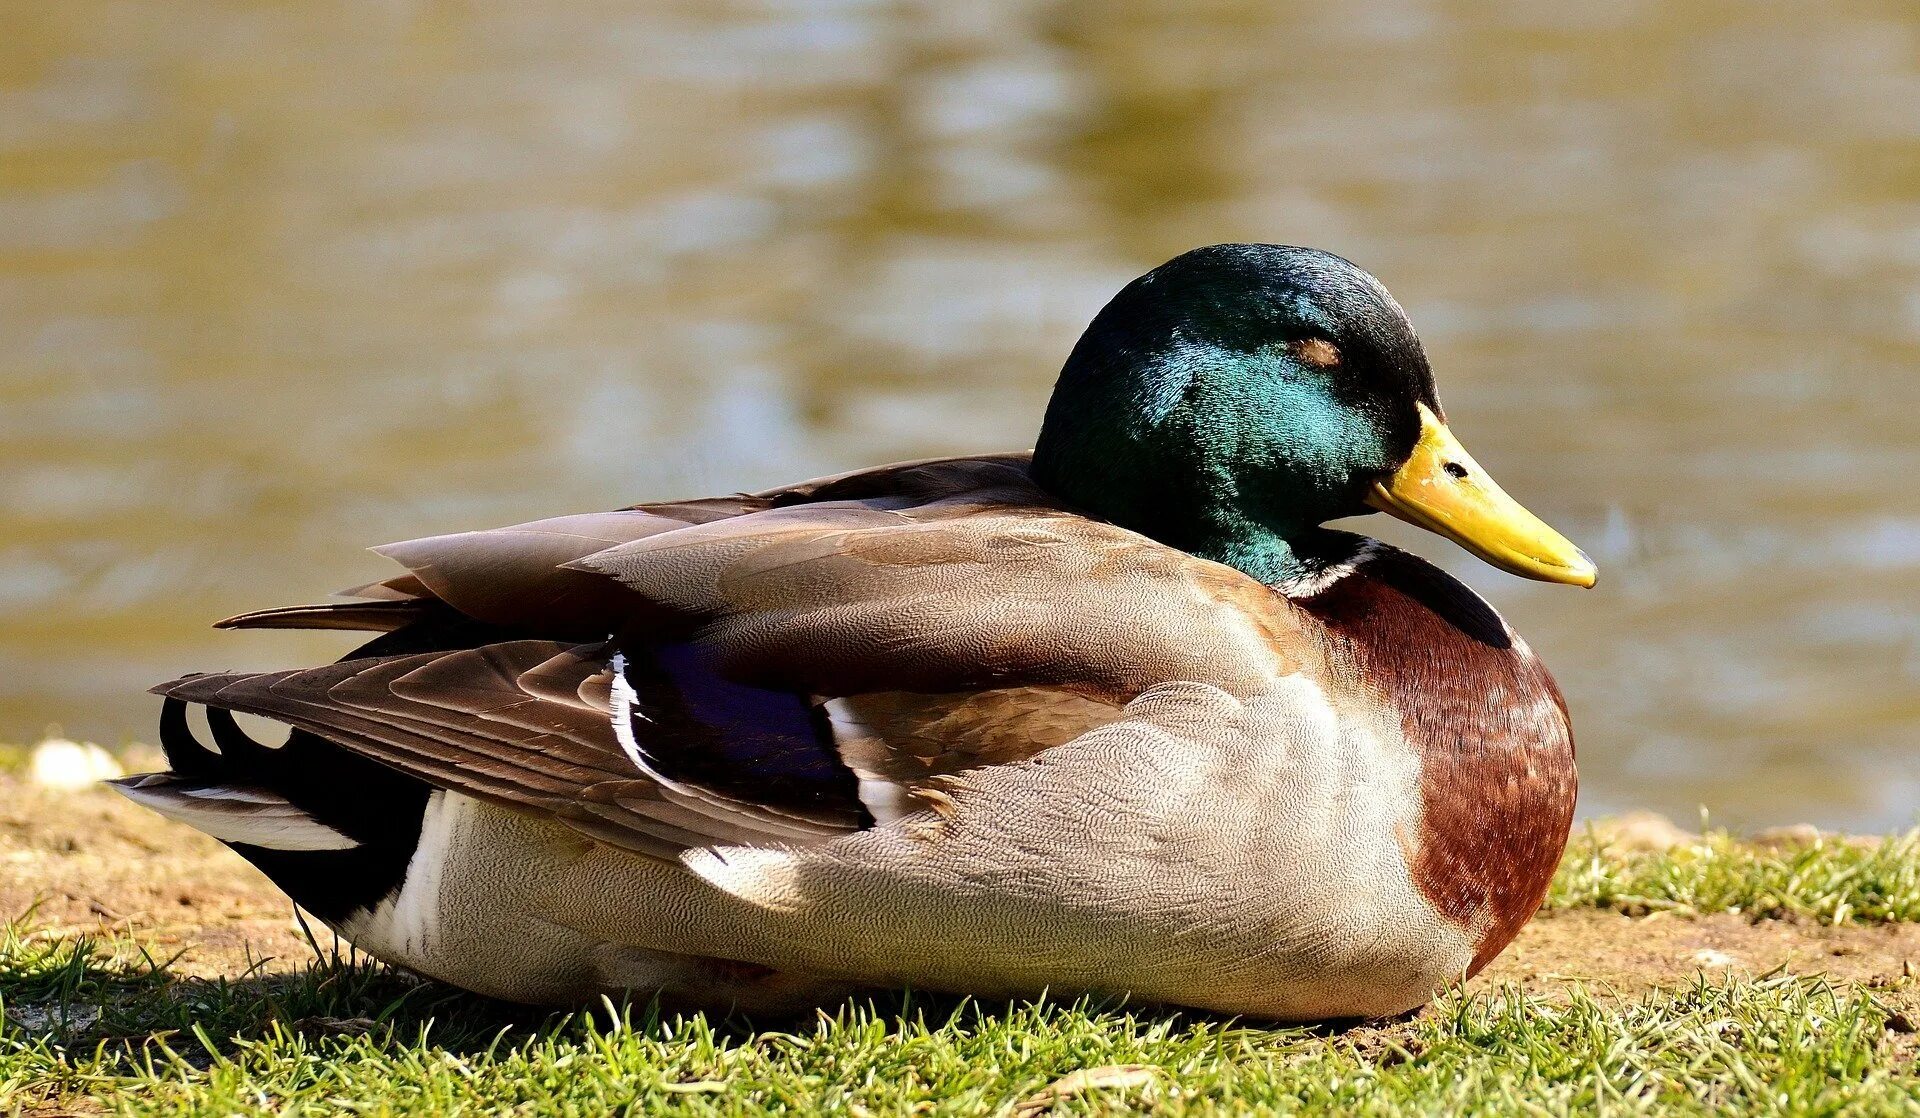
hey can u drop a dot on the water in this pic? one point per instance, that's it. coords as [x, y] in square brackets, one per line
[281, 281]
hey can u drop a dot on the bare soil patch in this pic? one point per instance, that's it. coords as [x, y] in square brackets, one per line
[91, 862]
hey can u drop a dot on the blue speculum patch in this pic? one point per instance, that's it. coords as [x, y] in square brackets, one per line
[767, 746]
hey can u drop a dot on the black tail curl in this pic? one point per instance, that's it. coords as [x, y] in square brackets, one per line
[239, 758]
[188, 759]
[379, 808]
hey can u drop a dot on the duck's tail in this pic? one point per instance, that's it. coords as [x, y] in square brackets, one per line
[230, 793]
[334, 831]
[332, 828]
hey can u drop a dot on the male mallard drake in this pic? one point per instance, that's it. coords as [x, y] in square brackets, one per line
[1118, 715]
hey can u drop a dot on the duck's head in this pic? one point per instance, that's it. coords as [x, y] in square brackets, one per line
[1235, 398]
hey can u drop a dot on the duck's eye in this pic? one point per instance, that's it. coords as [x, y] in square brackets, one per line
[1317, 352]
[1455, 469]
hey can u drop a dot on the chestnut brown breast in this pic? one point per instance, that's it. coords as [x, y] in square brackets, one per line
[1488, 724]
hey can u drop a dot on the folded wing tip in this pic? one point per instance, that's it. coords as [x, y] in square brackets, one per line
[166, 690]
[585, 564]
[378, 616]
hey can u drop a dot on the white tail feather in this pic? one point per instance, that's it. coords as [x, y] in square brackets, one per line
[250, 816]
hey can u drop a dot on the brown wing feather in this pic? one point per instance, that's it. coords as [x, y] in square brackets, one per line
[470, 721]
[517, 577]
[949, 576]
[371, 617]
[397, 588]
[843, 599]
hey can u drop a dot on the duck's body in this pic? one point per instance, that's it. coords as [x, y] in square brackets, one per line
[931, 724]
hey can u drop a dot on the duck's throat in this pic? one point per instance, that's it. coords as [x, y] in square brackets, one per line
[1196, 511]
[1296, 560]
[1297, 563]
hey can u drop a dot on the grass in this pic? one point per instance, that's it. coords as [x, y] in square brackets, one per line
[98, 1025]
[1833, 881]
[353, 1038]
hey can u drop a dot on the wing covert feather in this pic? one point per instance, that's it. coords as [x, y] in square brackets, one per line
[840, 601]
[940, 577]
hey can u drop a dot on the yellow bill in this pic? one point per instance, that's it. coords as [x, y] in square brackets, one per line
[1442, 489]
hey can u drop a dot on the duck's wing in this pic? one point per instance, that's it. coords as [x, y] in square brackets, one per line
[662, 677]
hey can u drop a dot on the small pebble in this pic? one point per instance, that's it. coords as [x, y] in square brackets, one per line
[1641, 832]
[1787, 838]
[68, 765]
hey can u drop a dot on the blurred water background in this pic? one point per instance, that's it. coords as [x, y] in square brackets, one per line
[279, 281]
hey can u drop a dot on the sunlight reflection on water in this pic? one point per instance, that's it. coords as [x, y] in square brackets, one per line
[281, 282]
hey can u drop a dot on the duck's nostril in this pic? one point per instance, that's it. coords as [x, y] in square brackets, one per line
[1455, 469]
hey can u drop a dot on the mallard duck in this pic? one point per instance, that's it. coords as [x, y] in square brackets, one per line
[1118, 715]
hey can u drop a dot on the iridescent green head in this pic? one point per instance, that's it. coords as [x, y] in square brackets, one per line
[1237, 397]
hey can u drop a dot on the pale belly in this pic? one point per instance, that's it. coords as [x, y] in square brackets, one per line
[1269, 880]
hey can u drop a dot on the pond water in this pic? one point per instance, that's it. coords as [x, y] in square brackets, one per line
[278, 282]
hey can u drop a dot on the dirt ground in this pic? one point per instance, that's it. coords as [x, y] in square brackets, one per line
[89, 861]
